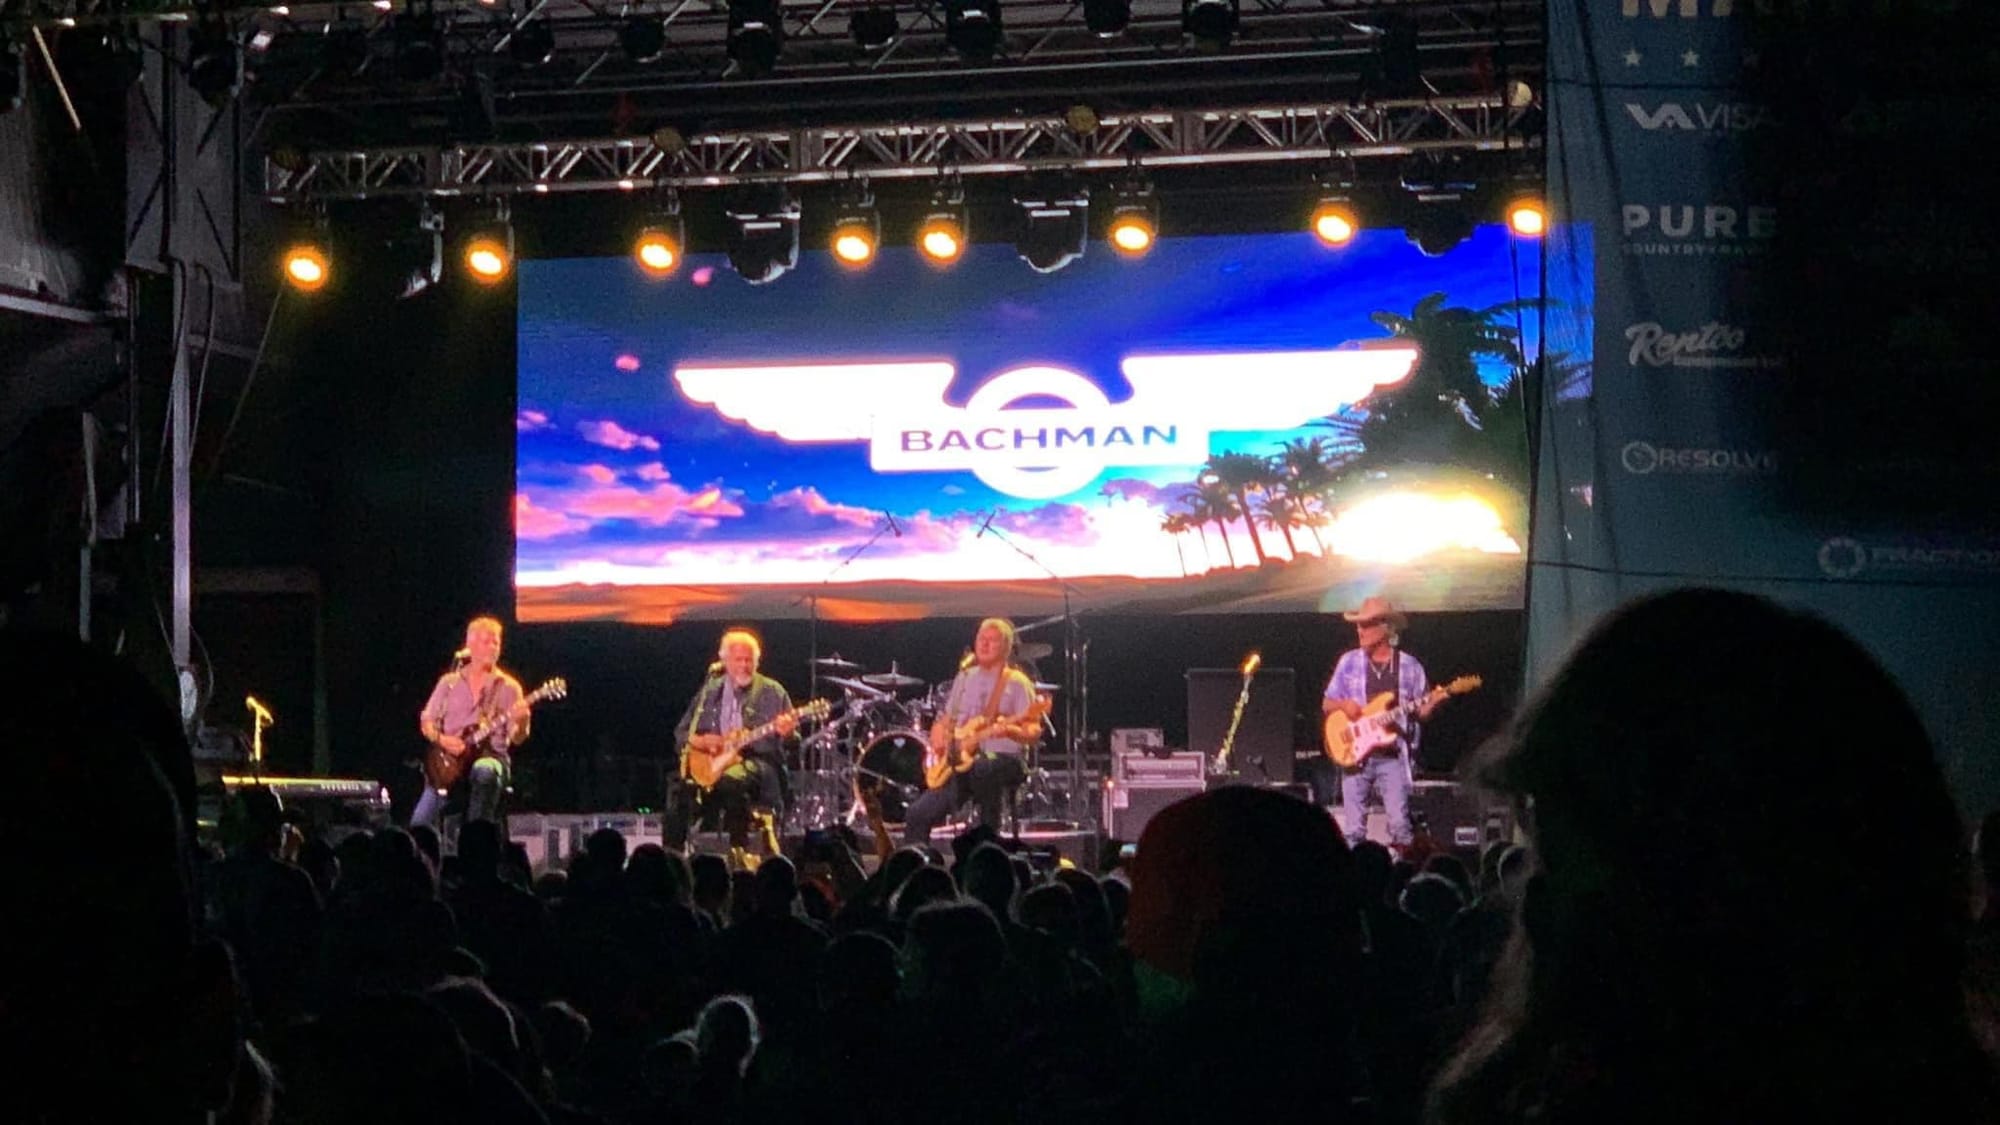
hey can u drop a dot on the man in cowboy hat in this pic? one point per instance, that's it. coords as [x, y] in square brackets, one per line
[1377, 665]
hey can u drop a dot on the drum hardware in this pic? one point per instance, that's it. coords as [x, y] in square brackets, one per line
[855, 687]
[835, 663]
[1034, 650]
[893, 678]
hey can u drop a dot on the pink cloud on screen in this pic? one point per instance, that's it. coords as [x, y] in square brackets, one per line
[627, 362]
[598, 474]
[531, 522]
[528, 421]
[652, 470]
[808, 500]
[611, 435]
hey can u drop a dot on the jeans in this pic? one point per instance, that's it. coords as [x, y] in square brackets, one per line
[484, 784]
[986, 784]
[1389, 777]
[758, 786]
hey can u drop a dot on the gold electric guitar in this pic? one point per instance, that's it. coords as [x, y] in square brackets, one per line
[1350, 741]
[707, 757]
[957, 756]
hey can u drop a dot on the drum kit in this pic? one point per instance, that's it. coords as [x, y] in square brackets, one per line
[874, 737]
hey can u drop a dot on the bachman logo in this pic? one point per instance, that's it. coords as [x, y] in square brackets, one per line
[1065, 430]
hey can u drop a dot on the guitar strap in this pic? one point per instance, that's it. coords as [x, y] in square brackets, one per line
[999, 687]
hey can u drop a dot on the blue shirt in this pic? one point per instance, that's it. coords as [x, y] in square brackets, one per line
[1350, 681]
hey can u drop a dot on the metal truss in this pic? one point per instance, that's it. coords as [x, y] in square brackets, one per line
[1246, 135]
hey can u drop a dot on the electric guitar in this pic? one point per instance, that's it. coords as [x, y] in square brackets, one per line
[707, 757]
[962, 749]
[1350, 741]
[442, 768]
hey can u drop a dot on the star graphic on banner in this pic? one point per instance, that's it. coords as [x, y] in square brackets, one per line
[1633, 57]
[1690, 59]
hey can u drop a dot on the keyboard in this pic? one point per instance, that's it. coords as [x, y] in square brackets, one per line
[344, 788]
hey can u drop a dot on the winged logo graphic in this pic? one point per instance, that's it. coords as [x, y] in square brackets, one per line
[1037, 451]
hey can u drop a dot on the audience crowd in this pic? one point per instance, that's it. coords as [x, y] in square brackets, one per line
[1743, 893]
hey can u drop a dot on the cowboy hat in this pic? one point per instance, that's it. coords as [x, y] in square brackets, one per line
[1373, 608]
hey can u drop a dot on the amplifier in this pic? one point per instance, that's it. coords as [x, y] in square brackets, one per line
[1138, 740]
[1182, 765]
[1128, 805]
[552, 838]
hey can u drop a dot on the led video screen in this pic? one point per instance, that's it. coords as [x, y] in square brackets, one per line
[1228, 424]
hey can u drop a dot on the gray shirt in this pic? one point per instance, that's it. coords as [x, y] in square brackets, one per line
[971, 690]
[453, 707]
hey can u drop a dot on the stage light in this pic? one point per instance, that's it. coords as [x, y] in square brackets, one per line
[643, 38]
[418, 257]
[533, 43]
[857, 229]
[215, 63]
[756, 35]
[1107, 18]
[1527, 216]
[1333, 221]
[763, 239]
[1055, 225]
[1437, 229]
[13, 75]
[972, 27]
[420, 49]
[874, 27]
[945, 230]
[1135, 222]
[345, 49]
[661, 243]
[489, 248]
[308, 264]
[1211, 23]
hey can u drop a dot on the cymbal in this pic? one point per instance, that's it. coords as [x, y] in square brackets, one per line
[855, 686]
[1048, 688]
[1034, 650]
[837, 663]
[892, 680]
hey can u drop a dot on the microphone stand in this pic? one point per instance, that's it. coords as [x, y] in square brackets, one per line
[1075, 685]
[1221, 766]
[812, 599]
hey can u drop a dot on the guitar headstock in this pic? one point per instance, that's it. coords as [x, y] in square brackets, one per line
[553, 689]
[816, 709]
[1040, 708]
[1463, 684]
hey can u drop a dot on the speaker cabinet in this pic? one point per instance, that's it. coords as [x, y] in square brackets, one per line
[1263, 747]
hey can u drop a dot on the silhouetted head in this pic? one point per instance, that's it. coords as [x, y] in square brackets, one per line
[606, 848]
[987, 876]
[954, 960]
[711, 883]
[1718, 903]
[859, 971]
[925, 885]
[1051, 909]
[726, 1033]
[479, 847]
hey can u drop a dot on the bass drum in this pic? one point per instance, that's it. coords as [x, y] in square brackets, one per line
[892, 767]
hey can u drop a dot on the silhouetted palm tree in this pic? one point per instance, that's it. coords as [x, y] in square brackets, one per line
[1308, 468]
[1238, 474]
[1212, 503]
[1176, 524]
[1279, 511]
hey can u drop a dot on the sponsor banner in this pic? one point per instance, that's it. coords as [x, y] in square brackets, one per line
[1862, 557]
[1714, 346]
[1643, 458]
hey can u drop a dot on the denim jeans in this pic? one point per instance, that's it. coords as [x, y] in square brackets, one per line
[484, 785]
[1389, 777]
[986, 783]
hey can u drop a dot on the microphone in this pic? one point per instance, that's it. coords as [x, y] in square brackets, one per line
[987, 522]
[462, 656]
[262, 712]
[893, 525]
[1250, 662]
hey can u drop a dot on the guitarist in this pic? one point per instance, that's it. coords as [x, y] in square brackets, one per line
[987, 685]
[475, 688]
[1378, 664]
[733, 697]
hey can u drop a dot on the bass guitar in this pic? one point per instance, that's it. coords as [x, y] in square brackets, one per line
[443, 768]
[962, 749]
[1350, 741]
[708, 756]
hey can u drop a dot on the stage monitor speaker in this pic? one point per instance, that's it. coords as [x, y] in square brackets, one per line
[1263, 747]
[1128, 805]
